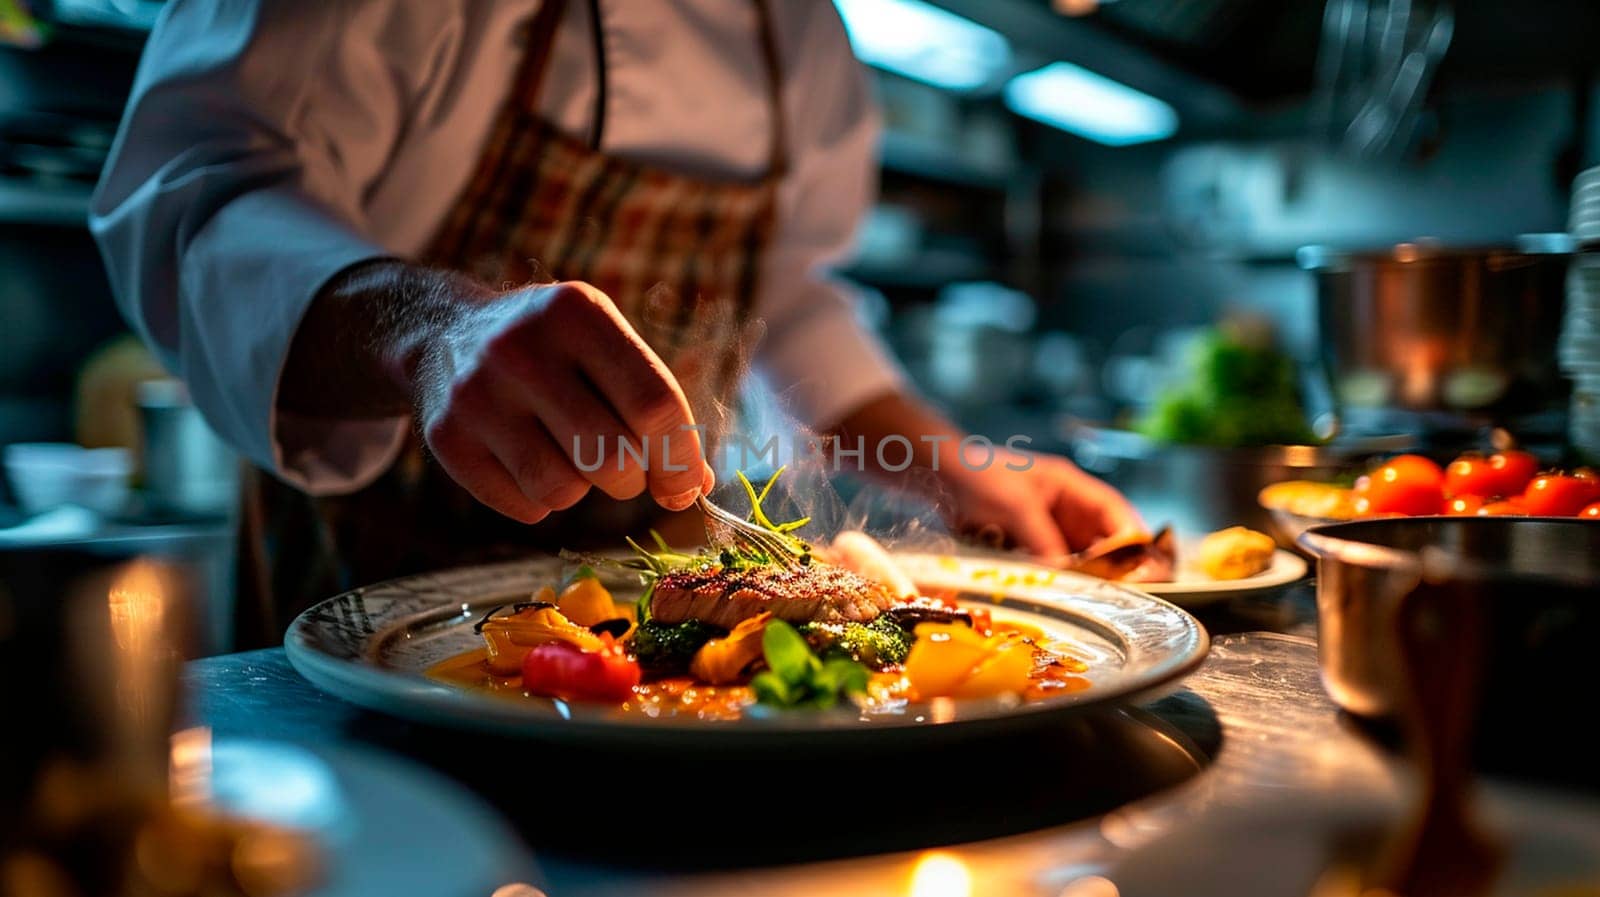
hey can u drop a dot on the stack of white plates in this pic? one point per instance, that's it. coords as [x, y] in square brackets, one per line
[1579, 349]
[1585, 218]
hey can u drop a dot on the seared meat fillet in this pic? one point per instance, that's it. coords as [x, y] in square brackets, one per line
[819, 592]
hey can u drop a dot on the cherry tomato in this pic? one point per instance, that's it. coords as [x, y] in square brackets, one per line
[1559, 495]
[1512, 472]
[1592, 512]
[560, 670]
[1471, 475]
[1511, 507]
[1407, 484]
[1586, 473]
[1463, 505]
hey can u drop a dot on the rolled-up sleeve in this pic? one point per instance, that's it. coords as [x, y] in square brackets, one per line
[817, 353]
[233, 194]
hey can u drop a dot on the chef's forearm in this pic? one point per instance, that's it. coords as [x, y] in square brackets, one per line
[355, 353]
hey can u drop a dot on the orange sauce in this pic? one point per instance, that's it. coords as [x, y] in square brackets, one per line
[684, 696]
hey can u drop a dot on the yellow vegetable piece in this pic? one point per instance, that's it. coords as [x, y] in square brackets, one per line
[503, 657]
[586, 602]
[724, 660]
[942, 657]
[509, 638]
[1006, 671]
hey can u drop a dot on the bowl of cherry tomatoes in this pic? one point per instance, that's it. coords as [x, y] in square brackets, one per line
[1502, 484]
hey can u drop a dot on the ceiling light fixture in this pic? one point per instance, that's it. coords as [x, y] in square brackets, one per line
[1090, 105]
[926, 43]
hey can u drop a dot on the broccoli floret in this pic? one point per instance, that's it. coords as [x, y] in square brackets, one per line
[877, 644]
[665, 649]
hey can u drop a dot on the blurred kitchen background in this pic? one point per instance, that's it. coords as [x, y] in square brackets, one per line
[1075, 195]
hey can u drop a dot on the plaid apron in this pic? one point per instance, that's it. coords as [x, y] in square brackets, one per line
[678, 255]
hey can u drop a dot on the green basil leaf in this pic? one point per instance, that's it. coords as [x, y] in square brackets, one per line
[787, 653]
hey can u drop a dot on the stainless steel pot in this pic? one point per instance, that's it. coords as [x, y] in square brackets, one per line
[1424, 328]
[1532, 585]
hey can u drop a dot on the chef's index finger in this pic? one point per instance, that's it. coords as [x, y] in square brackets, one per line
[645, 394]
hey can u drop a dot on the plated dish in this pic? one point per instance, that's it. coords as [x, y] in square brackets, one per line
[730, 642]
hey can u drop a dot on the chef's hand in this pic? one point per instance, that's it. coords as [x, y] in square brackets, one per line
[511, 389]
[1049, 508]
[520, 397]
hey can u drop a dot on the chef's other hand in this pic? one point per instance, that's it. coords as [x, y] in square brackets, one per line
[1050, 508]
[519, 397]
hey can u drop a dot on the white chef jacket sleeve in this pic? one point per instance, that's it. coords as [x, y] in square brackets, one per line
[233, 195]
[817, 353]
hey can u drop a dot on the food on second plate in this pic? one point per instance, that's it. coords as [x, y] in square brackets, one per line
[729, 628]
[1237, 390]
[1235, 553]
[1129, 557]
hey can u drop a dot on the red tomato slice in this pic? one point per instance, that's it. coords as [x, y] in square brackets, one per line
[1559, 495]
[560, 670]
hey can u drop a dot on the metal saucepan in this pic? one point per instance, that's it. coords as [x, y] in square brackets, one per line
[1534, 583]
[1421, 328]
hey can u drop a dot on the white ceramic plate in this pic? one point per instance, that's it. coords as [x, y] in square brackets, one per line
[371, 646]
[1191, 589]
